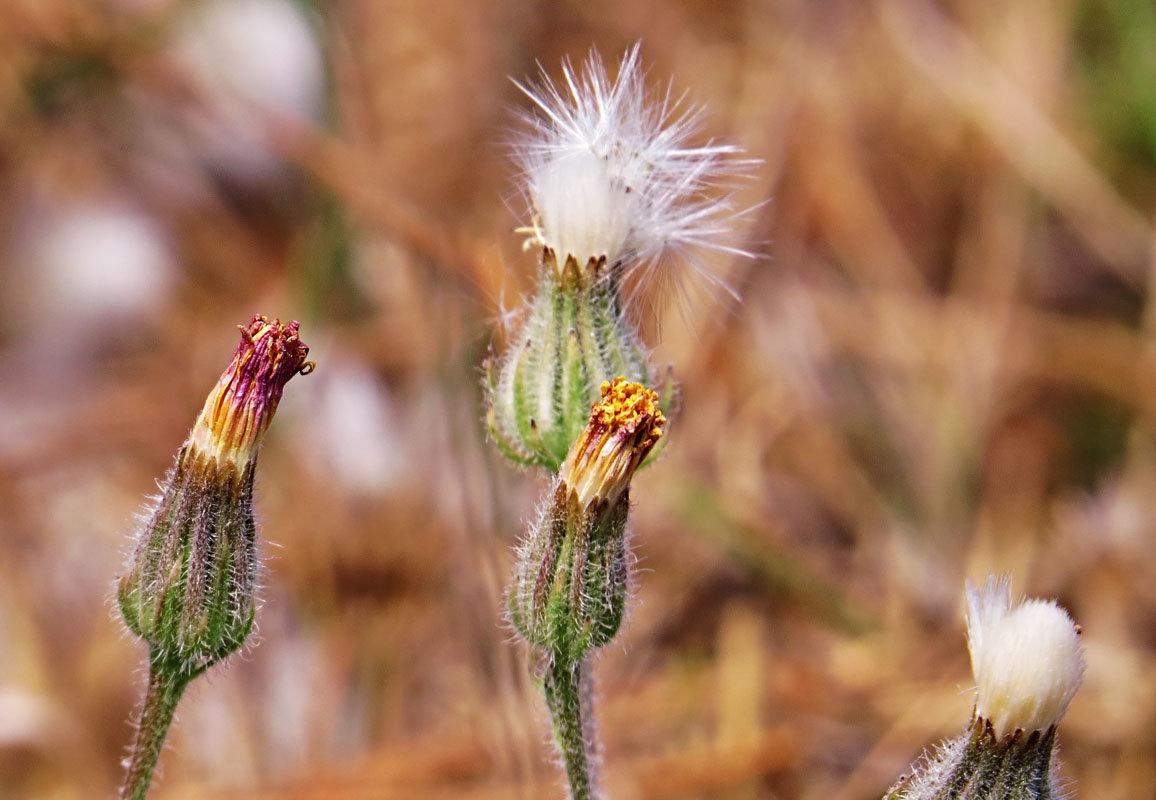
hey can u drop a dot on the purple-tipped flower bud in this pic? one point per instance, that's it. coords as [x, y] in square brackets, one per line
[569, 590]
[189, 591]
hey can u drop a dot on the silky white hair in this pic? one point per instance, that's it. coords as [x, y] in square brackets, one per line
[608, 171]
[1026, 659]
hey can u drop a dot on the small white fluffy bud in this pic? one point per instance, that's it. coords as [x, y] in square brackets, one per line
[1027, 660]
[608, 171]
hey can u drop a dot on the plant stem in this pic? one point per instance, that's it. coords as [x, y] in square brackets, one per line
[166, 685]
[567, 696]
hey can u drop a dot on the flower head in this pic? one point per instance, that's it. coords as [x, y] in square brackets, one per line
[241, 406]
[624, 426]
[1026, 659]
[190, 585]
[1027, 664]
[572, 568]
[609, 171]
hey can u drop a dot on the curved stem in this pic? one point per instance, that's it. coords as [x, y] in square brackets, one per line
[567, 696]
[165, 687]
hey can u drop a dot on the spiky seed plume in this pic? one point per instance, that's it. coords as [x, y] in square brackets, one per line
[609, 171]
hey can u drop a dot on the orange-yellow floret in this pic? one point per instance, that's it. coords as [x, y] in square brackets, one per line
[624, 426]
[624, 403]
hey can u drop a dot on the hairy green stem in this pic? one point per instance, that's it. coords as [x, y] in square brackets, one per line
[568, 698]
[166, 685]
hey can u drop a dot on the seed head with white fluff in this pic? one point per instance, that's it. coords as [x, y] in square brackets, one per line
[1027, 659]
[609, 172]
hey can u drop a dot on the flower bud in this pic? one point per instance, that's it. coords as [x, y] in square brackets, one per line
[569, 589]
[574, 338]
[189, 590]
[1028, 664]
[1026, 660]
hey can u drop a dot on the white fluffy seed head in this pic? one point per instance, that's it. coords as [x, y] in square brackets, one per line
[1027, 659]
[608, 171]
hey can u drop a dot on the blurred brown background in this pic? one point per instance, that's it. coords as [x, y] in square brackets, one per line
[944, 363]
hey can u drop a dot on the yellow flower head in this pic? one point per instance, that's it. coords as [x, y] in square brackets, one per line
[624, 426]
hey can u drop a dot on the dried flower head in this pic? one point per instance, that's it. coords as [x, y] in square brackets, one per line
[609, 171]
[190, 584]
[239, 409]
[1026, 659]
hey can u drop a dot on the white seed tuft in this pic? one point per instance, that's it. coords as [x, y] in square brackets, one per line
[1027, 659]
[608, 171]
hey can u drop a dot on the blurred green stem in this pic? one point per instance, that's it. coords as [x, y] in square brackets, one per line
[567, 696]
[166, 685]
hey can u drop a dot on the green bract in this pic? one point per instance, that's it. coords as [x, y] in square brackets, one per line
[569, 589]
[573, 338]
[978, 765]
[189, 591]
